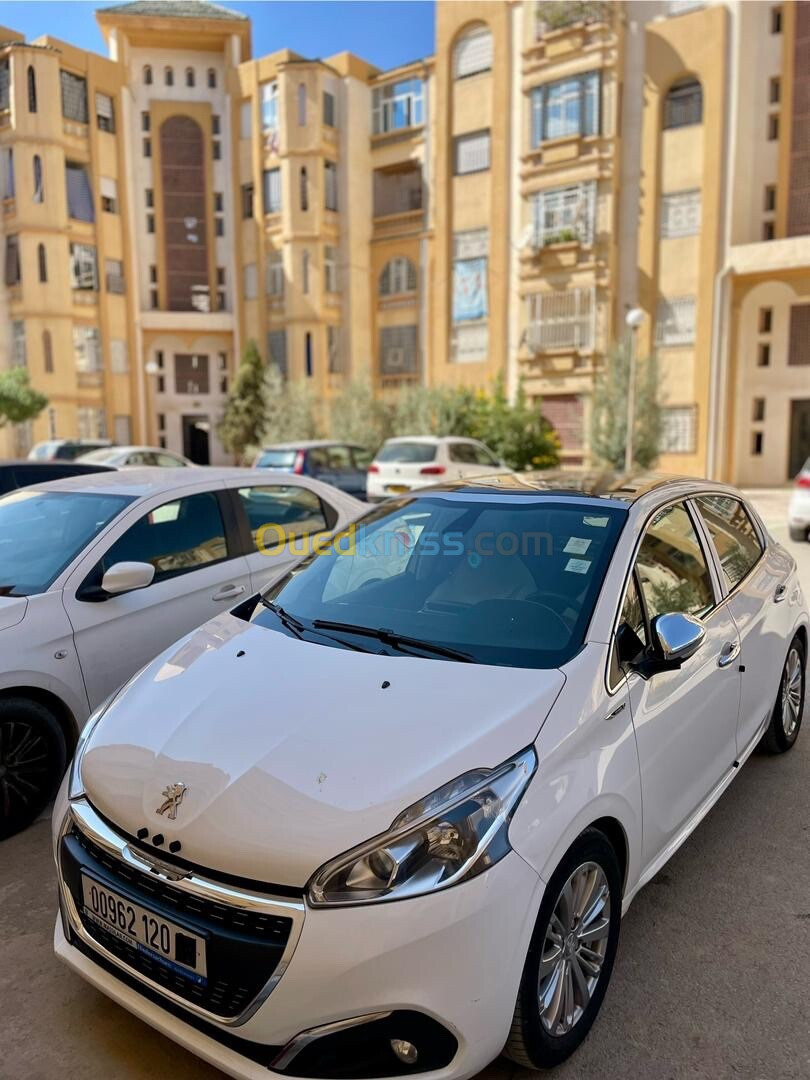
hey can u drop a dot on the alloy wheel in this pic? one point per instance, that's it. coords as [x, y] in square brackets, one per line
[574, 948]
[23, 766]
[792, 679]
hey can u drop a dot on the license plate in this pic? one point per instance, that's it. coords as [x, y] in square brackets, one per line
[396, 489]
[161, 940]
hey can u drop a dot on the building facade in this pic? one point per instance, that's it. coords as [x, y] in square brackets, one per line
[492, 210]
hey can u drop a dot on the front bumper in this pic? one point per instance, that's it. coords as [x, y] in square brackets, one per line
[455, 956]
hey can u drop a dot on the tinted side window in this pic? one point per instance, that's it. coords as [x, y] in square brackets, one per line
[632, 615]
[461, 452]
[484, 457]
[296, 510]
[362, 458]
[339, 457]
[176, 537]
[733, 534]
[671, 566]
[631, 632]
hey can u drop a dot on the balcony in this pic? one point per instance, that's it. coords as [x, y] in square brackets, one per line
[563, 29]
[562, 321]
[560, 14]
[399, 197]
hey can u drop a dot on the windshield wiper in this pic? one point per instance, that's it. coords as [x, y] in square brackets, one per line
[397, 641]
[296, 627]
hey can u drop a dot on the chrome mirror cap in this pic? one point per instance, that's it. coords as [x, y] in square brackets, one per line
[677, 635]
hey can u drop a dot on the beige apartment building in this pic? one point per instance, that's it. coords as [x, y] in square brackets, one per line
[491, 210]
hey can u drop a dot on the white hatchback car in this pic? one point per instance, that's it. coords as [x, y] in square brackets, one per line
[99, 573]
[126, 457]
[417, 461]
[385, 818]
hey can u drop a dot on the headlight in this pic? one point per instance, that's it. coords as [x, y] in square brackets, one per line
[455, 833]
[75, 786]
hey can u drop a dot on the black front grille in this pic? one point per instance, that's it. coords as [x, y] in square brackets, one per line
[243, 947]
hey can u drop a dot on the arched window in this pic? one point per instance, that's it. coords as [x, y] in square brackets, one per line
[168, 76]
[32, 89]
[212, 78]
[42, 261]
[302, 104]
[398, 276]
[47, 352]
[39, 185]
[147, 74]
[472, 52]
[683, 104]
[189, 76]
[304, 185]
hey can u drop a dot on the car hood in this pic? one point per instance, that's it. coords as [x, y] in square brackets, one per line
[293, 752]
[12, 610]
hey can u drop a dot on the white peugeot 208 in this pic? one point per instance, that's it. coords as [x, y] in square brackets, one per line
[385, 817]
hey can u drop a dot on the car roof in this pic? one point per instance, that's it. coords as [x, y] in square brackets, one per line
[310, 444]
[152, 480]
[582, 483]
[435, 439]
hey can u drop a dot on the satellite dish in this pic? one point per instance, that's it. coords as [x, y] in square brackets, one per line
[526, 238]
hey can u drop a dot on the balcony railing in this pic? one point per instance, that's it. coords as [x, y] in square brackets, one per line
[558, 14]
[399, 192]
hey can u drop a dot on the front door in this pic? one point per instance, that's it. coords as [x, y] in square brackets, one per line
[799, 436]
[195, 439]
[685, 720]
[195, 578]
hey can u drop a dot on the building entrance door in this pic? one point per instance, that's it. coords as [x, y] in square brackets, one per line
[195, 439]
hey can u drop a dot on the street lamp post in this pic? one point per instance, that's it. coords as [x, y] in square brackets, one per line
[633, 320]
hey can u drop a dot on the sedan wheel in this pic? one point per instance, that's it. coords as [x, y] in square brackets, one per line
[571, 956]
[574, 948]
[32, 762]
[792, 692]
[786, 719]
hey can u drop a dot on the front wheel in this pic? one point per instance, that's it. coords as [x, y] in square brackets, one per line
[33, 755]
[786, 718]
[571, 955]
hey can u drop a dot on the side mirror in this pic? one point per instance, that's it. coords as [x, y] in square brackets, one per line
[675, 637]
[126, 577]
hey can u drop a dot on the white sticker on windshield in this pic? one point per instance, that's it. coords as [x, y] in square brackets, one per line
[577, 545]
[578, 566]
[596, 522]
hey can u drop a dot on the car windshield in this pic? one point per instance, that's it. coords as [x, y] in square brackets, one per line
[64, 522]
[406, 452]
[276, 459]
[506, 581]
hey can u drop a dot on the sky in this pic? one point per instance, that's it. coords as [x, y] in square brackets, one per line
[384, 32]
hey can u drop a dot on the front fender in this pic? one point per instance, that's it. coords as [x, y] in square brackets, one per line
[587, 769]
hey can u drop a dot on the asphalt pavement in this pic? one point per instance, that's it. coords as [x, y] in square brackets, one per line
[711, 978]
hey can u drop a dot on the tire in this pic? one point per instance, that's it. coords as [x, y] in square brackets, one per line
[797, 533]
[33, 755]
[786, 718]
[533, 1041]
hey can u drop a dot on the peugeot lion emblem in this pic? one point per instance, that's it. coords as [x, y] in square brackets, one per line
[173, 796]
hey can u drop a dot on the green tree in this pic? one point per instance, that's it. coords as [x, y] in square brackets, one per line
[609, 413]
[245, 416]
[357, 416]
[19, 401]
[290, 410]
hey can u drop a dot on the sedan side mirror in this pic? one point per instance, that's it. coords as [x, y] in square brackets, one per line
[127, 576]
[677, 636]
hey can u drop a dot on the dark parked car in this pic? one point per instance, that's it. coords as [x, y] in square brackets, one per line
[343, 465]
[17, 474]
[65, 449]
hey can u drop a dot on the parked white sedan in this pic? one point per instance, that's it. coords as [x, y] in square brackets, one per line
[417, 461]
[799, 508]
[125, 457]
[101, 572]
[345, 828]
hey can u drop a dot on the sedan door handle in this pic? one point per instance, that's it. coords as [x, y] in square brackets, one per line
[228, 592]
[780, 593]
[727, 653]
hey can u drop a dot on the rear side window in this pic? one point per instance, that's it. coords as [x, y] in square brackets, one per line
[464, 453]
[408, 452]
[733, 534]
[177, 537]
[671, 566]
[289, 511]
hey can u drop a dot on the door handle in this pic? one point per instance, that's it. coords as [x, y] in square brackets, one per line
[780, 593]
[615, 712]
[727, 653]
[228, 592]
